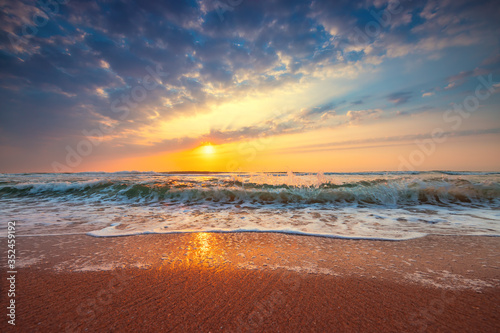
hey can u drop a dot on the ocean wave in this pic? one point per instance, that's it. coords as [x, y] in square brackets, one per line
[377, 205]
[378, 191]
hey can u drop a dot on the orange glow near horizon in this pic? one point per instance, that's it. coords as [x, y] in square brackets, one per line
[310, 152]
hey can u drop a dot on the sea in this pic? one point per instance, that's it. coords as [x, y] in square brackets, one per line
[365, 205]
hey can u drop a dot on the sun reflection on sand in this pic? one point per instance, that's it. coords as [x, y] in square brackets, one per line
[206, 250]
[203, 244]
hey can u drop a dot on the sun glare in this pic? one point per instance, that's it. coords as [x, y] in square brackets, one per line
[208, 149]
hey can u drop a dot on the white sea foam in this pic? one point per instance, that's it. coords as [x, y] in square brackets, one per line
[385, 206]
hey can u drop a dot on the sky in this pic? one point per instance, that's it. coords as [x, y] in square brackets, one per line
[241, 85]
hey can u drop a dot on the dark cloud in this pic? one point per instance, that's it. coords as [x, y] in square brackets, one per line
[400, 97]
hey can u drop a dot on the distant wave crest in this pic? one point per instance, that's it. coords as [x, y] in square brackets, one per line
[378, 191]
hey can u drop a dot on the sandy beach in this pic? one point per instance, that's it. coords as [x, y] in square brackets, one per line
[255, 282]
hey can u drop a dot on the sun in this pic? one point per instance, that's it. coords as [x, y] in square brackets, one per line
[208, 149]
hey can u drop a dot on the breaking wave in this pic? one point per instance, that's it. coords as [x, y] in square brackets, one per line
[367, 188]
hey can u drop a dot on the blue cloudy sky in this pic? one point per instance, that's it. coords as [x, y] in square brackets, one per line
[270, 85]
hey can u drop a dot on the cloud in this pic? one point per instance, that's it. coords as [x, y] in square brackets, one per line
[400, 97]
[361, 115]
[417, 110]
[322, 111]
[460, 78]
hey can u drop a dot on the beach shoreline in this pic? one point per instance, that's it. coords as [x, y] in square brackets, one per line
[253, 282]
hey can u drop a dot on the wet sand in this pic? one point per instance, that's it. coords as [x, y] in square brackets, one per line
[254, 282]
